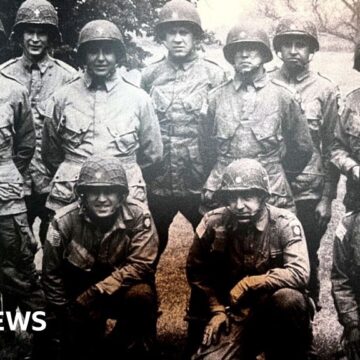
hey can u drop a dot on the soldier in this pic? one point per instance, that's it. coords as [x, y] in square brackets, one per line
[248, 268]
[255, 117]
[36, 30]
[295, 42]
[345, 151]
[345, 282]
[99, 264]
[19, 284]
[97, 113]
[178, 85]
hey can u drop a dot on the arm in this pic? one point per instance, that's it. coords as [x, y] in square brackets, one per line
[151, 146]
[295, 271]
[140, 261]
[342, 289]
[330, 111]
[24, 139]
[297, 137]
[52, 277]
[341, 154]
[51, 150]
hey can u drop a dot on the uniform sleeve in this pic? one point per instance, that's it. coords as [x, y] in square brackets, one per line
[139, 265]
[198, 265]
[297, 138]
[51, 150]
[341, 155]
[330, 115]
[52, 276]
[341, 287]
[295, 271]
[24, 139]
[151, 146]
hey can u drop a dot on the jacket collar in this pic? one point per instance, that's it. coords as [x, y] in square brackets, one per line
[43, 64]
[298, 78]
[185, 65]
[259, 82]
[109, 82]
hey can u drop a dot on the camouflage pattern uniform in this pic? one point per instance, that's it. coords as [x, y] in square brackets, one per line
[319, 99]
[345, 279]
[270, 255]
[85, 119]
[41, 79]
[259, 119]
[120, 261]
[178, 91]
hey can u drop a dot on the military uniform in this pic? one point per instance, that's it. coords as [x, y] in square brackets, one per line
[345, 151]
[77, 255]
[83, 120]
[260, 120]
[319, 99]
[272, 251]
[18, 278]
[178, 92]
[41, 80]
[345, 273]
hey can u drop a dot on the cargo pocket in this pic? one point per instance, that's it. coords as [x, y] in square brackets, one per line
[352, 129]
[127, 143]
[73, 128]
[194, 176]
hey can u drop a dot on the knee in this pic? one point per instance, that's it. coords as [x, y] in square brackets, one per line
[285, 300]
[141, 296]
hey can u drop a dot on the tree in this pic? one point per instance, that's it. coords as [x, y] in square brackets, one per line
[340, 18]
[133, 17]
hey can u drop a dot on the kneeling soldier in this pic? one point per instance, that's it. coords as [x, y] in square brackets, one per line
[248, 268]
[99, 265]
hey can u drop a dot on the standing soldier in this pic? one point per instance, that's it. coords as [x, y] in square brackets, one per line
[19, 283]
[345, 152]
[99, 113]
[179, 85]
[36, 30]
[249, 267]
[314, 189]
[99, 264]
[255, 117]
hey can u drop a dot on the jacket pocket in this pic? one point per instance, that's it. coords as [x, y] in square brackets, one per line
[127, 143]
[6, 126]
[73, 127]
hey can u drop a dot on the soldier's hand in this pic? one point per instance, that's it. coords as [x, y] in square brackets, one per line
[88, 297]
[207, 196]
[213, 329]
[252, 283]
[352, 342]
[355, 173]
[323, 212]
[238, 292]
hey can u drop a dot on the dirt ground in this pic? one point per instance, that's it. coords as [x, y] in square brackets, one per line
[171, 281]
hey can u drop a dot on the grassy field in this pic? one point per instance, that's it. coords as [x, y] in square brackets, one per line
[171, 281]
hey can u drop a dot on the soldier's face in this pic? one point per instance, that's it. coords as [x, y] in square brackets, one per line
[245, 204]
[247, 59]
[102, 201]
[180, 42]
[100, 59]
[35, 41]
[295, 52]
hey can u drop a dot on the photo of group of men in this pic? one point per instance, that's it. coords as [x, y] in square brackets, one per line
[252, 162]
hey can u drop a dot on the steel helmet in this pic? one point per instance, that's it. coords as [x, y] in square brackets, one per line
[101, 30]
[102, 171]
[295, 25]
[245, 174]
[38, 12]
[179, 11]
[247, 33]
